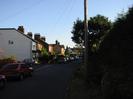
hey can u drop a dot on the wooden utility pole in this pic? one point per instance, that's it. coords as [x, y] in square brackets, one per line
[86, 51]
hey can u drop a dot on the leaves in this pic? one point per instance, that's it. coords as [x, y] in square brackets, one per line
[98, 26]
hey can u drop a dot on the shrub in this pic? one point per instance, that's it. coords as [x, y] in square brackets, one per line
[116, 54]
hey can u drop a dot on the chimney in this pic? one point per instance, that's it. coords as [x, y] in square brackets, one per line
[43, 38]
[57, 42]
[37, 36]
[21, 29]
[29, 34]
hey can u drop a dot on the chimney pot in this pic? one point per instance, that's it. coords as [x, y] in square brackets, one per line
[29, 34]
[37, 36]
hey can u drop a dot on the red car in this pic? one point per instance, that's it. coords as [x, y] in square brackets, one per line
[16, 70]
[2, 81]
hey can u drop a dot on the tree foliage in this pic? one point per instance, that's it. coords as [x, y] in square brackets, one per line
[67, 53]
[117, 46]
[44, 57]
[78, 31]
[116, 54]
[98, 26]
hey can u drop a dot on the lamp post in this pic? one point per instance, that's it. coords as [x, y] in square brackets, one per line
[86, 34]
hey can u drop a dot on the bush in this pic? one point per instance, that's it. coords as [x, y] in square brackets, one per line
[116, 54]
[43, 59]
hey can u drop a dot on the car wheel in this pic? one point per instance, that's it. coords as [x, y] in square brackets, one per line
[2, 84]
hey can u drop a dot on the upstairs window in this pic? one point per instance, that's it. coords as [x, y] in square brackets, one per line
[10, 42]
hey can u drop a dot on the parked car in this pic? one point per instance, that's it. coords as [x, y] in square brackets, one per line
[16, 70]
[2, 81]
[61, 59]
[30, 62]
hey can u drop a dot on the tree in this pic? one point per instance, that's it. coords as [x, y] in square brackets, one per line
[44, 56]
[78, 32]
[98, 27]
[44, 52]
[67, 53]
[116, 58]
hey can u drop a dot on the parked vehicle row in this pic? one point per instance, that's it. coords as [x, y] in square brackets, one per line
[14, 71]
[63, 59]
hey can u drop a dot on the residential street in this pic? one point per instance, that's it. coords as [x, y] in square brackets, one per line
[48, 82]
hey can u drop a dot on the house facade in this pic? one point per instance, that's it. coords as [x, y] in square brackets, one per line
[17, 44]
[56, 49]
[40, 45]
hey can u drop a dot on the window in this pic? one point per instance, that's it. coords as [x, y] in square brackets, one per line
[10, 42]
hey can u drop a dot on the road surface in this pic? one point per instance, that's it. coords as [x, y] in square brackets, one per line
[48, 82]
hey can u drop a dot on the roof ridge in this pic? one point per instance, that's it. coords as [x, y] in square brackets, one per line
[18, 32]
[7, 29]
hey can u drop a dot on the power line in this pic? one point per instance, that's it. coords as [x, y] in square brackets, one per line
[61, 14]
[22, 11]
[68, 8]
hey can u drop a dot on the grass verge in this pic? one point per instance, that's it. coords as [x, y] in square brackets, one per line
[80, 89]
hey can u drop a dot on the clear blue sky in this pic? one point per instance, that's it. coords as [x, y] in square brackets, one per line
[54, 18]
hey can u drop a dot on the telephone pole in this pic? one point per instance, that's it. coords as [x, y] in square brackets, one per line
[86, 51]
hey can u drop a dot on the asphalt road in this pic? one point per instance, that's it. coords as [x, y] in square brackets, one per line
[48, 82]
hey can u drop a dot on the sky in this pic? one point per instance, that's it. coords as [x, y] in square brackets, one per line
[54, 18]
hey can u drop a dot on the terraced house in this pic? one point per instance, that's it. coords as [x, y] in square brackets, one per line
[56, 49]
[17, 44]
[40, 45]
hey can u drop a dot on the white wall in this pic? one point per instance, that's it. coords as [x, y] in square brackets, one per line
[21, 47]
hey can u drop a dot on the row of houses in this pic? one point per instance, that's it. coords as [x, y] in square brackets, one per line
[14, 42]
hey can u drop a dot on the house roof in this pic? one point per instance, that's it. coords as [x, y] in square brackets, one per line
[56, 44]
[42, 42]
[19, 32]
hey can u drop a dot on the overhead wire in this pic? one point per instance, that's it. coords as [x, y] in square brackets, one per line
[21, 11]
[67, 9]
[60, 13]
[64, 14]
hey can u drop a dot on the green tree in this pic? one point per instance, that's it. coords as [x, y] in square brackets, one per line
[98, 26]
[44, 58]
[78, 32]
[67, 53]
[44, 52]
[116, 55]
